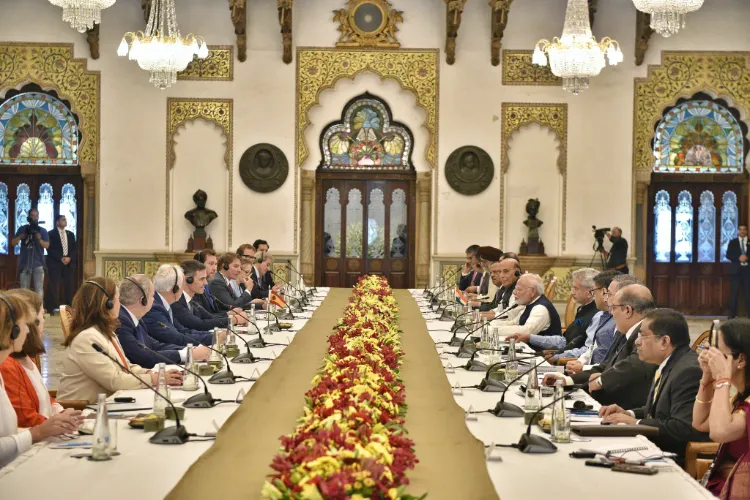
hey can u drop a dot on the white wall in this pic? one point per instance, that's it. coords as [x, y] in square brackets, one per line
[133, 114]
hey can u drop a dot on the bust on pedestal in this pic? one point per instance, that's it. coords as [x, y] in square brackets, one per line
[534, 246]
[200, 217]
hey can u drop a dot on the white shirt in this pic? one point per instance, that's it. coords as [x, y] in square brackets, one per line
[12, 442]
[743, 249]
[46, 407]
[229, 283]
[585, 358]
[513, 313]
[538, 321]
[187, 296]
[183, 351]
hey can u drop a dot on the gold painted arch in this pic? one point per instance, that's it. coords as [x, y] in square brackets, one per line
[181, 110]
[515, 116]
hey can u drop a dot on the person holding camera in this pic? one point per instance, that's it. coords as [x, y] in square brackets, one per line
[34, 240]
[618, 253]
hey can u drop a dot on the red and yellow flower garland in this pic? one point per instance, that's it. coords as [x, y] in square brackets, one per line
[350, 443]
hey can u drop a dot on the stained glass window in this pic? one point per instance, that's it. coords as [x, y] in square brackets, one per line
[46, 207]
[23, 206]
[37, 129]
[399, 242]
[366, 139]
[699, 137]
[3, 219]
[662, 227]
[376, 225]
[707, 228]
[69, 208]
[332, 223]
[683, 231]
[729, 221]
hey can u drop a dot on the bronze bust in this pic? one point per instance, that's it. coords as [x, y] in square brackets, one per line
[264, 168]
[200, 216]
[469, 170]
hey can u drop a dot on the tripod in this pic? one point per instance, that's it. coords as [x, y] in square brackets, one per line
[599, 250]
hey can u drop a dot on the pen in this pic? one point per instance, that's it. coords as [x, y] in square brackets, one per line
[73, 445]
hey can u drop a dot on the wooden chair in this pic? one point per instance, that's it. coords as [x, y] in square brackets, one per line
[570, 312]
[66, 320]
[703, 339]
[551, 289]
[698, 458]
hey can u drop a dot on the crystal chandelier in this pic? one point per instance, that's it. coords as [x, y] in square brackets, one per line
[667, 16]
[82, 14]
[161, 49]
[576, 56]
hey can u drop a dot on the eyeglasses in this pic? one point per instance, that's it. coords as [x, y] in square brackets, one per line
[592, 292]
[612, 306]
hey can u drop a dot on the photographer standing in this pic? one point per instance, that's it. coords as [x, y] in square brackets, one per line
[34, 239]
[618, 253]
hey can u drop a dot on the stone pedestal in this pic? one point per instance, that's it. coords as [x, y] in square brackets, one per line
[540, 264]
[197, 242]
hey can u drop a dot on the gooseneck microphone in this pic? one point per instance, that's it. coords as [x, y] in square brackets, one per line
[464, 351]
[531, 443]
[489, 384]
[289, 261]
[503, 409]
[432, 292]
[205, 400]
[259, 342]
[299, 293]
[169, 435]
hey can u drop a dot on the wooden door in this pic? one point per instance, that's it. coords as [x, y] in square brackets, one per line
[365, 229]
[690, 224]
[51, 195]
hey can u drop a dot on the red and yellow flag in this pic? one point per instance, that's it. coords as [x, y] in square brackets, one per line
[276, 300]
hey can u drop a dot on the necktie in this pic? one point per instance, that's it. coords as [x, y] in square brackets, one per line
[139, 332]
[615, 349]
[210, 297]
[744, 246]
[656, 384]
[499, 296]
[64, 240]
[473, 277]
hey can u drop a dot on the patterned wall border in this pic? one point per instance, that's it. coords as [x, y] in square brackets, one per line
[217, 67]
[318, 69]
[181, 110]
[52, 66]
[681, 74]
[553, 116]
[519, 70]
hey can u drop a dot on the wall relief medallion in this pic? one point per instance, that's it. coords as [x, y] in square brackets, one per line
[264, 168]
[368, 23]
[469, 170]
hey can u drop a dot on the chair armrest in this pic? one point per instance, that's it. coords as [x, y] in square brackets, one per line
[75, 404]
[693, 450]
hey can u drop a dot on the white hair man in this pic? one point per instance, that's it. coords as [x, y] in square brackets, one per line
[576, 334]
[539, 319]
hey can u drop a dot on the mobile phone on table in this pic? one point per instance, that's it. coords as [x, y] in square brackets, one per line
[124, 400]
[600, 462]
[635, 469]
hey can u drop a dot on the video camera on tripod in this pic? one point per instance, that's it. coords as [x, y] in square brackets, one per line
[32, 229]
[599, 235]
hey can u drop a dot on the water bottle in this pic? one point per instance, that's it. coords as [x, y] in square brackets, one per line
[251, 317]
[494, 346]
[533, 393]
[189, 381]
[161, 387]
[511, 367]
[484, 341]
[101, 449]
[231, 341]
[560, 416]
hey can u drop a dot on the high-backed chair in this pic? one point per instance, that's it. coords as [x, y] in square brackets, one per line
[698, 458]
[66, 320]
[703, 339]
[551, 289]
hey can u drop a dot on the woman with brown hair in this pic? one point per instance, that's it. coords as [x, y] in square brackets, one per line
[726, 365]
[15, 315]
[23, 382]
[86, 372]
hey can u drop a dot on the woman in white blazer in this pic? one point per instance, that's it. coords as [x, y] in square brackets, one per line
[14, 317]
[87, 372]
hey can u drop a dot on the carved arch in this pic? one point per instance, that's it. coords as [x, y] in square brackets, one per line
[179, 112]
[515, 116]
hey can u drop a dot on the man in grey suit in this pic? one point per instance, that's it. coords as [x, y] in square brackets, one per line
[665, 342]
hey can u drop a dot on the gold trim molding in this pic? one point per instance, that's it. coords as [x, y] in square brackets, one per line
[217, 67]
[181, 110]
[52, 67]
[318, 69]
[553, 116]
[519, 70]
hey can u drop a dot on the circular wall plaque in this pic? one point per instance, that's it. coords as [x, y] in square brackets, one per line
[263, 168]
[368, 17]
[469, 170]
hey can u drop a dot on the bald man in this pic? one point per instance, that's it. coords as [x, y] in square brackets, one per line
[538, 320]
[504, 275]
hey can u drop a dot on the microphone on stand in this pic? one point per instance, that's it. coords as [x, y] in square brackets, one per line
[169, 435]
[247, 357]
[255, 342]
[531, 443]
[503, 409]
[466, 352]
[288, 314]
[223, 377]
[205, 400]
[314, 288]
[299, 295]
[442, 282]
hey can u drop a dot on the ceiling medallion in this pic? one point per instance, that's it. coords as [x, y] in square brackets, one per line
[368, 23]
[576, 56]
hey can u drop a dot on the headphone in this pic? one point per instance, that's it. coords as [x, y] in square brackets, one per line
[189, 280]
[225, 265]
[109, 304]
[517, 274]
[16, 330]
[144, 299]
[176, 287]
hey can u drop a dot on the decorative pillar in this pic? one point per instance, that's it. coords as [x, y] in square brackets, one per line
[424, 225]
[89, 223]
[307, 225]
[638, 262]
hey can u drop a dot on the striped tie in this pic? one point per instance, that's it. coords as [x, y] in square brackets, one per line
[656, 384]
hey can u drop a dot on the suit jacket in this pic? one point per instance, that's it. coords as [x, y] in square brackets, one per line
[733, 254]
[485, 286]
[86, 373]
[207, 301]
[268, 280]
[580, 324]
[672, 409]
[261, 289]
[55, 250]
[160, 326]
[500, 300]
[195, 316]
[222, 292]
[618, 254]
[467, 281]
[130, 336]
[22, 393]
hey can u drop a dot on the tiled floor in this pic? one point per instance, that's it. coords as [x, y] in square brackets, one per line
[53, 342]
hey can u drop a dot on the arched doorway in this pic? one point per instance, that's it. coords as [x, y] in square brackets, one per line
[696, 200]
[366, 197]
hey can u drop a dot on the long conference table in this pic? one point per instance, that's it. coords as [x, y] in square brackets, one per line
[451, 449]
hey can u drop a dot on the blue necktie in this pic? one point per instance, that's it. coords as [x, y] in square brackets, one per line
[210, 297]
[139, 332]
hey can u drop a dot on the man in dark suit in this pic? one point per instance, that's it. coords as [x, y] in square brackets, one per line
[160, 321]
[618, 252]
[61, 264]
[469, 274]
[740, 271]
[188, 310]
[665, 342]
[136, 299]
[266, 258]
[504, 275]
[221, 289]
